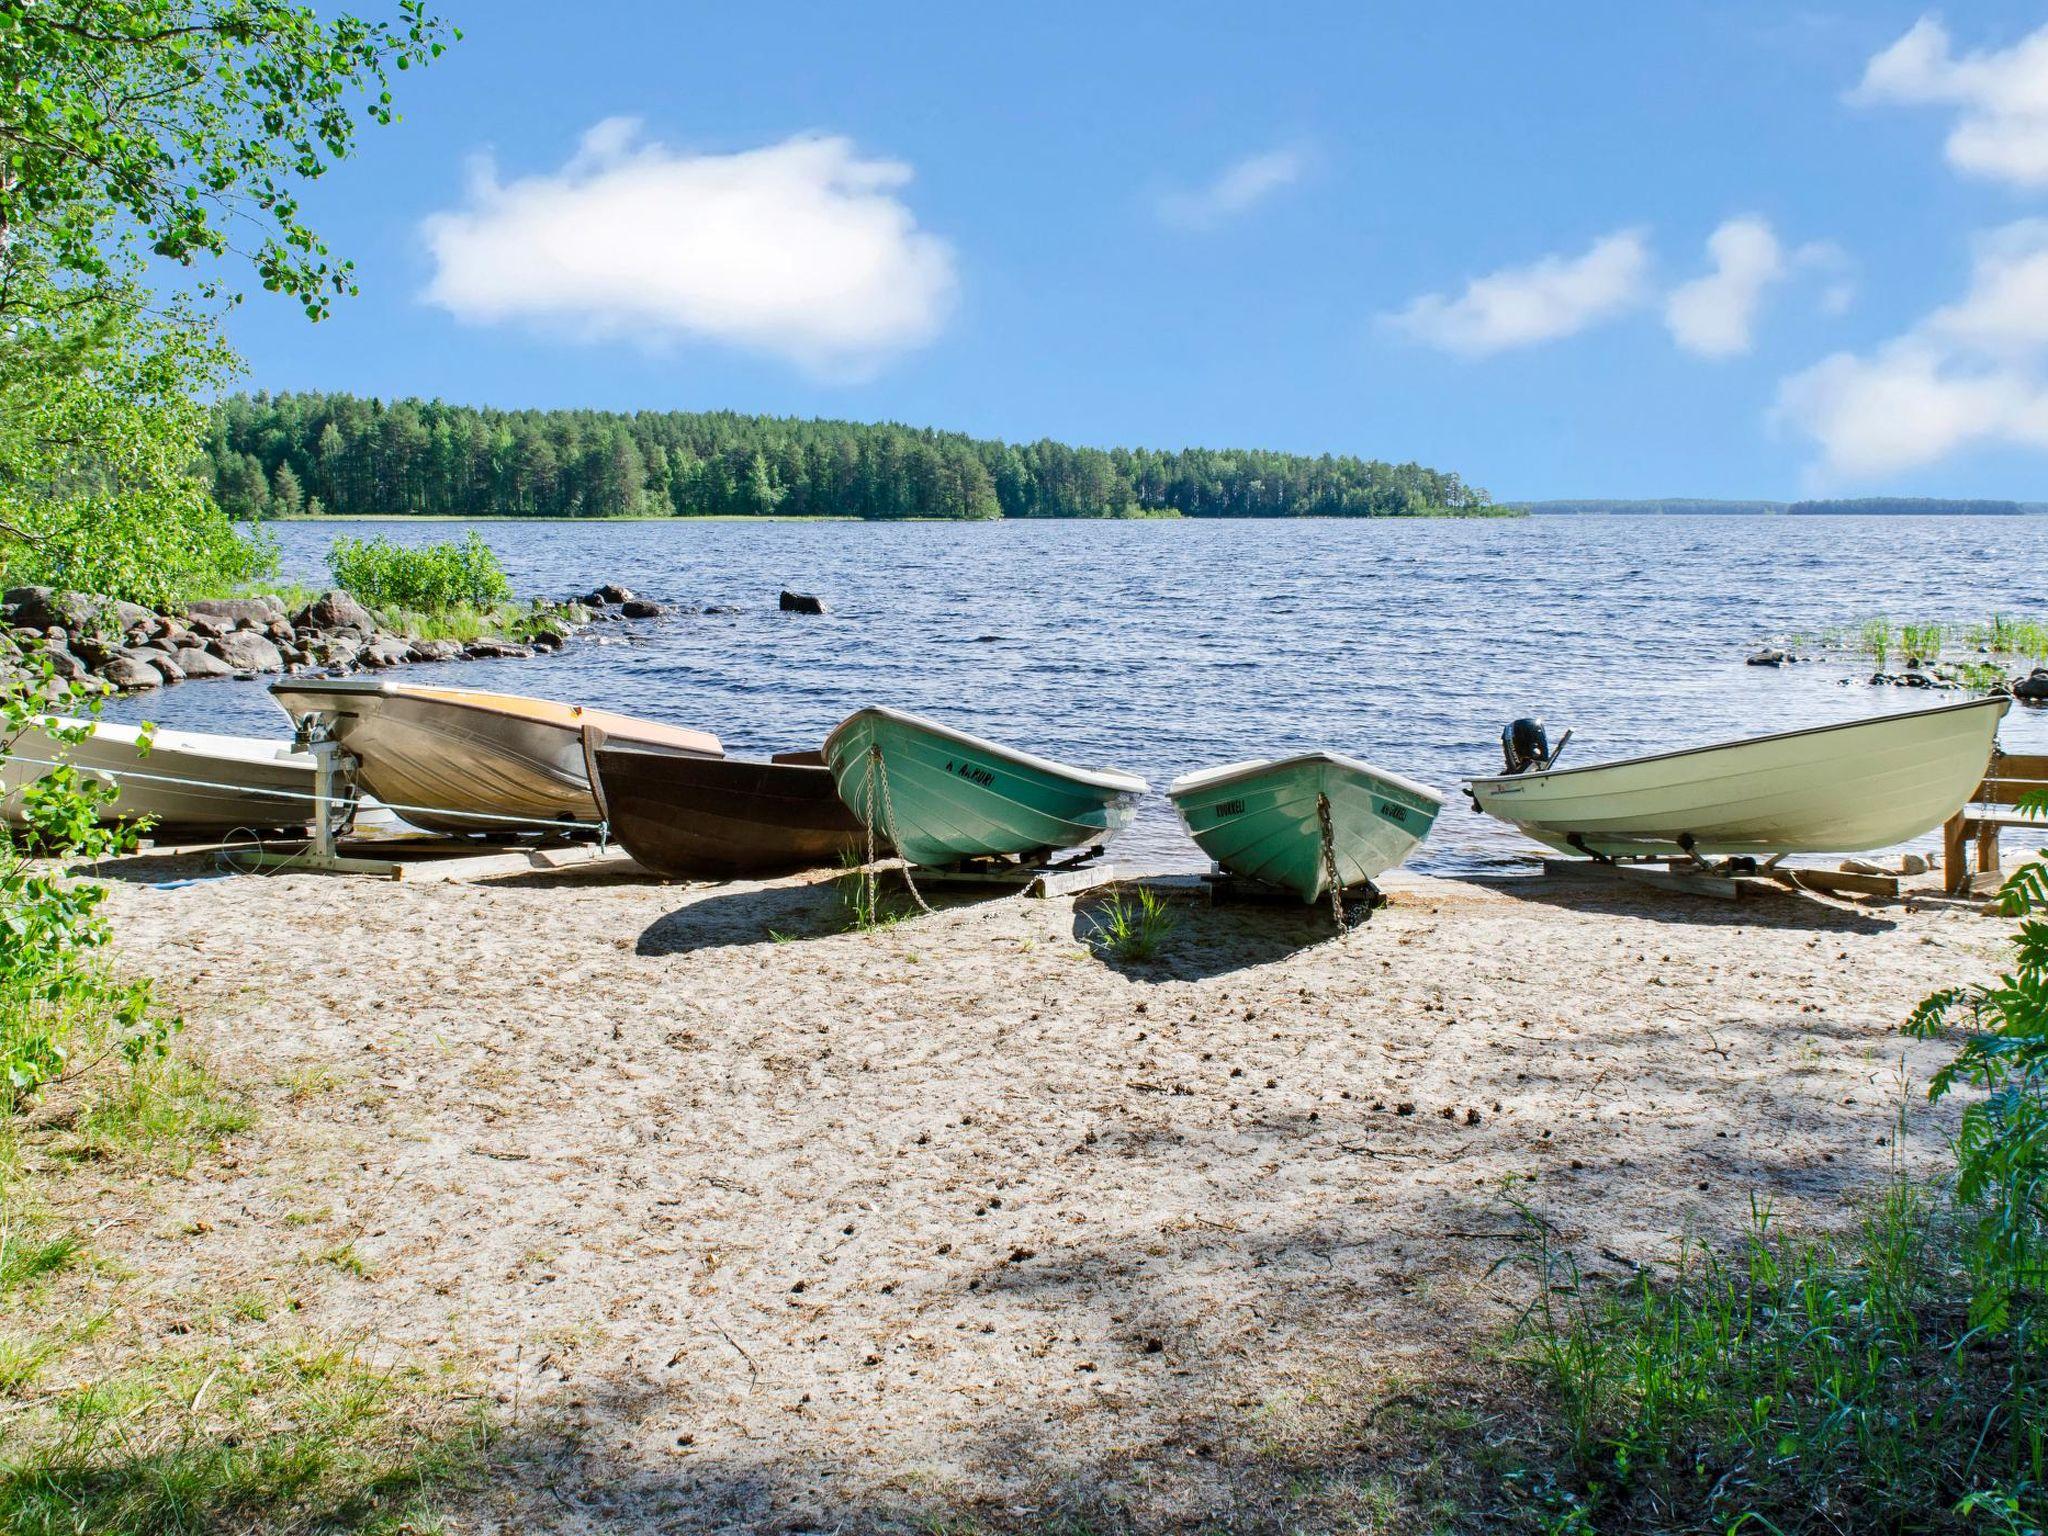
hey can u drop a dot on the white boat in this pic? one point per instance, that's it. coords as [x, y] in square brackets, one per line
[1284, 821]
[1848, 788]
[463, 760]
[187, 780]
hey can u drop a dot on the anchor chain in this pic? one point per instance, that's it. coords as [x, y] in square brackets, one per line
[1330, 861]
[876, 771]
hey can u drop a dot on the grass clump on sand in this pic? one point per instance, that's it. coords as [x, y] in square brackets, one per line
[1894, 1381]
[1132, 930]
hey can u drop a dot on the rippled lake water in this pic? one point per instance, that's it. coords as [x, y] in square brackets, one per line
[1159, 647]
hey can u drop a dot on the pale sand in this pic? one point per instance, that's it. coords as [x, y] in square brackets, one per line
[831, 1231]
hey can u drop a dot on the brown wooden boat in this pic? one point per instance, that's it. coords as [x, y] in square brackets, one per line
[716, 818]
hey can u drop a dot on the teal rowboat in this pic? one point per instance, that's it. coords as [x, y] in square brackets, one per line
[1266, 820]
[941, 796]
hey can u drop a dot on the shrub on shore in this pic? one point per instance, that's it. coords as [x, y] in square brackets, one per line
[430, 579]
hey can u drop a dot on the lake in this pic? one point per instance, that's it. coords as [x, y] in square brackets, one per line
[1159, 647]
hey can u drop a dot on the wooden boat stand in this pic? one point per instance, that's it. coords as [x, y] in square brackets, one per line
[1728, 880]
[1034, 876]
[2012, 775]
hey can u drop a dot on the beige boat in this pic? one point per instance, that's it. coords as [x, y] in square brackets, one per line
[1848, 788]
[462, 760]
[190, 781]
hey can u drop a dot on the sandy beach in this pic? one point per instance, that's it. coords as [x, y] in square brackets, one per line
[743, 1221]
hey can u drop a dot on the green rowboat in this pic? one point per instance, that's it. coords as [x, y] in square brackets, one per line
[1266, 820]
[942, 796]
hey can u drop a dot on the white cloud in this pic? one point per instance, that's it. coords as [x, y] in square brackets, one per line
[1238, 187]
[2001, 131]
[1715, 315]
[802, 250]
[1969, 374]
[1521, 306]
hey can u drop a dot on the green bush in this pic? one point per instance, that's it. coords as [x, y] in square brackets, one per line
[432, 579]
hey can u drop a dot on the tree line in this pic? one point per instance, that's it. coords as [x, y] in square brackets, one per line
[287, 455]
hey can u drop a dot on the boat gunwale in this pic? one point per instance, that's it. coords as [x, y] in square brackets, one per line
[2003, 703]
[452, 698]
[235, 749]
[1114, 779]
[1230, 773]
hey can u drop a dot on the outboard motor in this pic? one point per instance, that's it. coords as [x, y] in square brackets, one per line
[1524, 744]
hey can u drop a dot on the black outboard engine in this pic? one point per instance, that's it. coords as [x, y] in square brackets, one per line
[1524, 745]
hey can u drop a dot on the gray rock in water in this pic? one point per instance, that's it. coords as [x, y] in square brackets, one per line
[64, 664]
[125, 672]
[339, 651]
[335, 609]
[195, 663]
[386, 651]
[493, 650]
[1768, 658]
[2033, 686]
[640, 608]
[801, 602]
[207, 627]
[162, 660]
[238, 610]
[247, 651]
[609, 595]
[436, 650]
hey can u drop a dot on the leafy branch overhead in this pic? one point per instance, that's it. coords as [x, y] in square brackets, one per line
[189, 123]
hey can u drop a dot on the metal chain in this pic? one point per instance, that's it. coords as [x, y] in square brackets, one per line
[1330, 861]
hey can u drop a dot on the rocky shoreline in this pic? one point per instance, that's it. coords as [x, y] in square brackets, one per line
[127, 648]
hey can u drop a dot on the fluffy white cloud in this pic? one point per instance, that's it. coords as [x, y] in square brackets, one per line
[1239, 186]
[1970, 373]
[802, 249]
[2001, 131]
[1520, 306]
[1715, 315]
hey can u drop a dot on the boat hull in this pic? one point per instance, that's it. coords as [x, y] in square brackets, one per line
[188, 781]
[1263, 820]
[1849, 788]
[943, 796]
[719, 818]
[464, 761]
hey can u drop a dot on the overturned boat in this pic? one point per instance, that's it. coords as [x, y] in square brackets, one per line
[184, 781]
[462, 760]
[1848, 788]
[942, 796]
[1295, 822]
[692, 817]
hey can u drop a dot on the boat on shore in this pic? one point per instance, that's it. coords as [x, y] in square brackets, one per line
[692, 817]
[462, 760]
[942, 796]
[1853, 787]
[183, 781]
[1287, 821]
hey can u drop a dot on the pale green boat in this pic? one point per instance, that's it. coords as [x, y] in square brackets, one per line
[1267, 820]
[942, 796]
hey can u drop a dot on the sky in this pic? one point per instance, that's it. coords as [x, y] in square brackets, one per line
[1683, 249]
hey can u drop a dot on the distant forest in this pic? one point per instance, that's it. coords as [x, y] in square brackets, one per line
[298, 454]
[1860, 506]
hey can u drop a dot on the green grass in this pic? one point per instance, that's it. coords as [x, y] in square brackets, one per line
[1131, 930]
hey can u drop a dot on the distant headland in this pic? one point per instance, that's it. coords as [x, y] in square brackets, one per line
[1858, 506]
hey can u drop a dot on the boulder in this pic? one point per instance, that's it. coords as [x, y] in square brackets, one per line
[2033, 686]
[161, 660]
[547, 640]
[1767, 658]
[386, 651]
[436, 650]
[335, 609]
[610, 595]
[247, 651]
[195, 663]
[640, 608]
[279, 630]
[45, 607]
[125, 672]
[207, 627]
[801, 602]
[238, 610]
[64, 664]
[170, 633]
[494, 650]
[339, 651]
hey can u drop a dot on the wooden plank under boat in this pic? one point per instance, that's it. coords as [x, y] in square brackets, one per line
[463, 760]
[1264, 820]
[1852, 787]
[944, 796]
[185, 781]
[719, 818]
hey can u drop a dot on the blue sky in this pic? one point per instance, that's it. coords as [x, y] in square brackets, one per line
[1474, 236]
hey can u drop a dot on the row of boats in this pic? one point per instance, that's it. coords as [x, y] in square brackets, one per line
[464, 761]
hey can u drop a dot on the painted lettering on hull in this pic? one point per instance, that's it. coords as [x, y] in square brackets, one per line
[974, 773]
